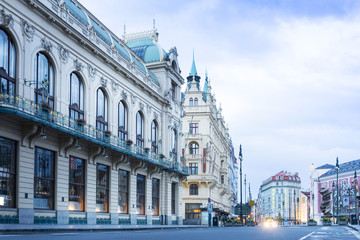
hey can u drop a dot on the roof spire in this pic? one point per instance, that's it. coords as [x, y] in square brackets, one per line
[193, 71]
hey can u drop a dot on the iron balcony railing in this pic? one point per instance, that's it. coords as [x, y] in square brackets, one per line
[44, 115]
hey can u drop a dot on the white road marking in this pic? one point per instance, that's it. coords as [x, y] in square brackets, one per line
[355, 233]
[61, 234]
[10, 235]
[306, 236]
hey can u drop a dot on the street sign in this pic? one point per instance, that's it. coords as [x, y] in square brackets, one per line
[210, 207]
[251, 203]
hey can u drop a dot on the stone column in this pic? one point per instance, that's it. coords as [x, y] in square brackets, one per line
[148, 201]
[178, 203]
[114, 196]
[132, 199]
[62, 190]
[26, 185]
[91, 194]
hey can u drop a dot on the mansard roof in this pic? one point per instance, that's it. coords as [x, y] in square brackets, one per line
[147, 48]
[344, 167]
[110, 39]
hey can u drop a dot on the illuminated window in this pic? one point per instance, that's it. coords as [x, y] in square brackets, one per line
[123, 206]
[102, 188]
[76, 184]
[155, 196]
[7, 173]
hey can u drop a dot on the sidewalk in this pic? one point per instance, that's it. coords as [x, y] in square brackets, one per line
[355, 227]
[68, 228]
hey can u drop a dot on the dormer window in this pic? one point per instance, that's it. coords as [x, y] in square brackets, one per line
[191, 102]
[195, 102]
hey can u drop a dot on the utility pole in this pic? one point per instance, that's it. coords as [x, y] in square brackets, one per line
[245, 188]
[241, 210]
[337, 167]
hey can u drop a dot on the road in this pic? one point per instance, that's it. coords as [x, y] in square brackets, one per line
[251, 233]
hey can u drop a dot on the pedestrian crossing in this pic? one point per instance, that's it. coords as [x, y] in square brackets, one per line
[332, 233]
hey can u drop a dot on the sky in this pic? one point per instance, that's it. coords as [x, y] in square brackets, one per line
[286, 72]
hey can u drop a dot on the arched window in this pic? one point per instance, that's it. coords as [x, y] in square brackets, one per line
[76, 107]
[123, 118]
[194, 189]
[7, 63]
[191, 102]
[101, 110]
[139, 130]
[195, 102]
[44, 80]
[154, 136]
[222, 164]
[174, 144]
[194, 148]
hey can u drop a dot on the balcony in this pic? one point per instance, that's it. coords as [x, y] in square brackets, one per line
[16, 105]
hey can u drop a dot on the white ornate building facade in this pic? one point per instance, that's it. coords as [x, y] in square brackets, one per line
[279, 197]
[89, 123]
[206, 151]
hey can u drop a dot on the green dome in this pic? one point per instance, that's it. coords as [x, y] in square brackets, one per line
[147, 50]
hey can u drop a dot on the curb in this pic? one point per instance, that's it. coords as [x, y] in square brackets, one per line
[351, 226]
[94, 228]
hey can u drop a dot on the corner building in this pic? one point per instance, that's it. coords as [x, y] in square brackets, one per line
[207, 153]
[89, 123]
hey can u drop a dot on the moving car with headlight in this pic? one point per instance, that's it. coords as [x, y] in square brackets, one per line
[270, 223]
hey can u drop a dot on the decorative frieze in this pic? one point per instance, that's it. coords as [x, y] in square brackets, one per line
[27, 29]
[46, 44]
[63, 53]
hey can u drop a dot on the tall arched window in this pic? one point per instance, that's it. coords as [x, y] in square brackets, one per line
[194, 148]
[193, 190]
[191, 102]
[7, 63]
[101, 110]
[195, 101]
[44, 80]
[139, 130]
[174, 144]
[154, 136]
[76, 107]
[123, 118]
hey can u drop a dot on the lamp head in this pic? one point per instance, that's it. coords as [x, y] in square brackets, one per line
[337, 163]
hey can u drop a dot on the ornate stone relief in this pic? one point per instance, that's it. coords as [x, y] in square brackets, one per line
[133, 98]
[124, 94]
[115, 86]
[46, 44]
[78, 65]
[6, 19]
[92, 71]
[141, 105]
[27, 29]
[103, 81]
[63, 53]
[149, 109]
[170, 118]
[156, 115]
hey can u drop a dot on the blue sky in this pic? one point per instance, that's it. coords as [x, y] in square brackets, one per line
[287, 73]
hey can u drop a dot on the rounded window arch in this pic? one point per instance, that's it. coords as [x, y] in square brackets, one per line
[154, 136]
[76, 106]
[123, 121]
[139, 129]
[44, 79]
[7, 63]
[194, 148]
[174, 66]
[101, 110]
[195, 101]
[191, 102]
[194, 189]
[222, 163]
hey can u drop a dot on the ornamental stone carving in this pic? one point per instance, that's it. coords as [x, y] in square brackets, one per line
[133, 98]
[124, 94]
[6, 19]
[115, 86]
[63, 53]
[149, 109]
[141, 105]
[92, 71]
[156, 115]
[27, 29]
[103, 81]
[78, 65]
[46, 44]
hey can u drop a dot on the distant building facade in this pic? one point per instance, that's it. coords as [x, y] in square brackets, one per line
[207, 153]
[89, 123]
[279, 197]
[344, 203]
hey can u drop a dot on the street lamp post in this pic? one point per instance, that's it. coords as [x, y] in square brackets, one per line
[241, 210]
[337, 167]
[356, 202]
[349, 191]
[333, 200]
[313, 196]
[295, 205]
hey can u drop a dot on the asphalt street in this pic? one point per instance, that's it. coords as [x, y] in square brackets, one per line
[251, 233]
